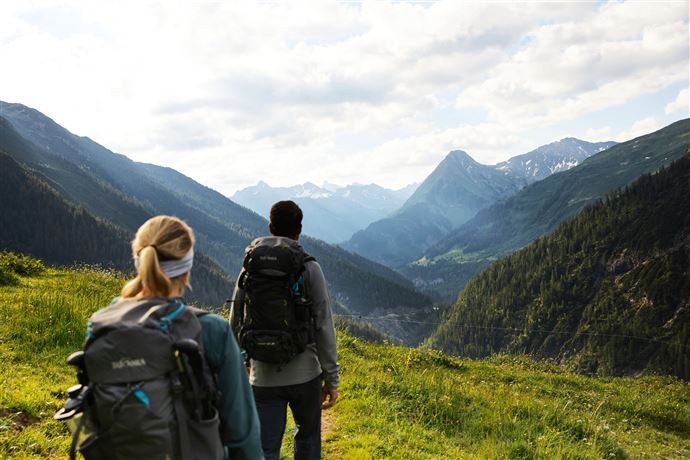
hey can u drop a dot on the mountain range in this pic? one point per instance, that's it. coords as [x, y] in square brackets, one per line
[108, 196]
[540, 207]
[331, 213]
[604, 286]
[454, 192]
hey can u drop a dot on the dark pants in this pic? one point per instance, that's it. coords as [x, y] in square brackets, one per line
[305, 402]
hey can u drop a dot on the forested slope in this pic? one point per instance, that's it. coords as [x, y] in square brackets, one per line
[35, 220]
[375, 287]
[608, 290]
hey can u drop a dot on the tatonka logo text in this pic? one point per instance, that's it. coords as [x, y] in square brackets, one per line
[268, 258]
[126, 362]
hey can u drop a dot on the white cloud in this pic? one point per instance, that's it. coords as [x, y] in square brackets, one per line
[680, 104]
[570, 69]
[603, 133]
[639, 128]
[225, 91]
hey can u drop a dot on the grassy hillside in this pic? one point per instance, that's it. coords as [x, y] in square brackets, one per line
[403, 403]
[396, 402]
[42, 320]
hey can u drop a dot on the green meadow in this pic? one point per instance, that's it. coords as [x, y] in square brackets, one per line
[396, 402]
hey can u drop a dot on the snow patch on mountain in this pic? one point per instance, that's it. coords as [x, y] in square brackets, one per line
[551, 158]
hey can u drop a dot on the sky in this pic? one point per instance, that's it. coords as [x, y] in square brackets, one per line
[231, 93]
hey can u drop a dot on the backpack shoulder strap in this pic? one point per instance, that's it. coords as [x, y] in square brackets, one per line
[198, 312]
[241, 280]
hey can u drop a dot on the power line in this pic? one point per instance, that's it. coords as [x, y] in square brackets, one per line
[513, 329]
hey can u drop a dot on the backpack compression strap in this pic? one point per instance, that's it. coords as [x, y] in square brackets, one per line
[181, 415]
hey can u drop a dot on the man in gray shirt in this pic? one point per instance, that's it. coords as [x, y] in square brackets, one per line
[309, 381]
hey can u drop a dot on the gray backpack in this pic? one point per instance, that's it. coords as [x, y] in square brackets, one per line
[145, 389]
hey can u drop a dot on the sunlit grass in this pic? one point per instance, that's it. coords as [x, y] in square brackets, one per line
[403, 403]
[42, 320]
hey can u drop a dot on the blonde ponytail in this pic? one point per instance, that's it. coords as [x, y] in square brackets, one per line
[153, 280]
[161, 238]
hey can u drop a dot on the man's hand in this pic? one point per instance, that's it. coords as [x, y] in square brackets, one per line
[328, 393]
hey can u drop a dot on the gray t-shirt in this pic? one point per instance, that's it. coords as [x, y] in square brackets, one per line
[319, 358]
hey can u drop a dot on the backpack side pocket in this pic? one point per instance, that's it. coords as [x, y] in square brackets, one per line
[205, 437]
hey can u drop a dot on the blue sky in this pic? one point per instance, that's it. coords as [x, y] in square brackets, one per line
[231, 93]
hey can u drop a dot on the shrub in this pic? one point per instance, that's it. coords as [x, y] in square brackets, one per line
[7, 277]
[20, 264]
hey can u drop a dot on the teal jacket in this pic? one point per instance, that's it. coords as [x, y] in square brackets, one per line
[240, 422]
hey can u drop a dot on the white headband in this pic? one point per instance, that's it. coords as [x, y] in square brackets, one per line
[174, 268]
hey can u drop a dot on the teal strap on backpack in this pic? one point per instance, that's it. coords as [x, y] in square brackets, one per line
[165, 321]
[298, 283]
[143, 397]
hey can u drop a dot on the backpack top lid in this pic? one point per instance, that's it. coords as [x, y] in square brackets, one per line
[275, 256]
[132, 339]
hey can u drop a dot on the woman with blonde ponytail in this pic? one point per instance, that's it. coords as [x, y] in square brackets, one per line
[163, 252]
[163, 255]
